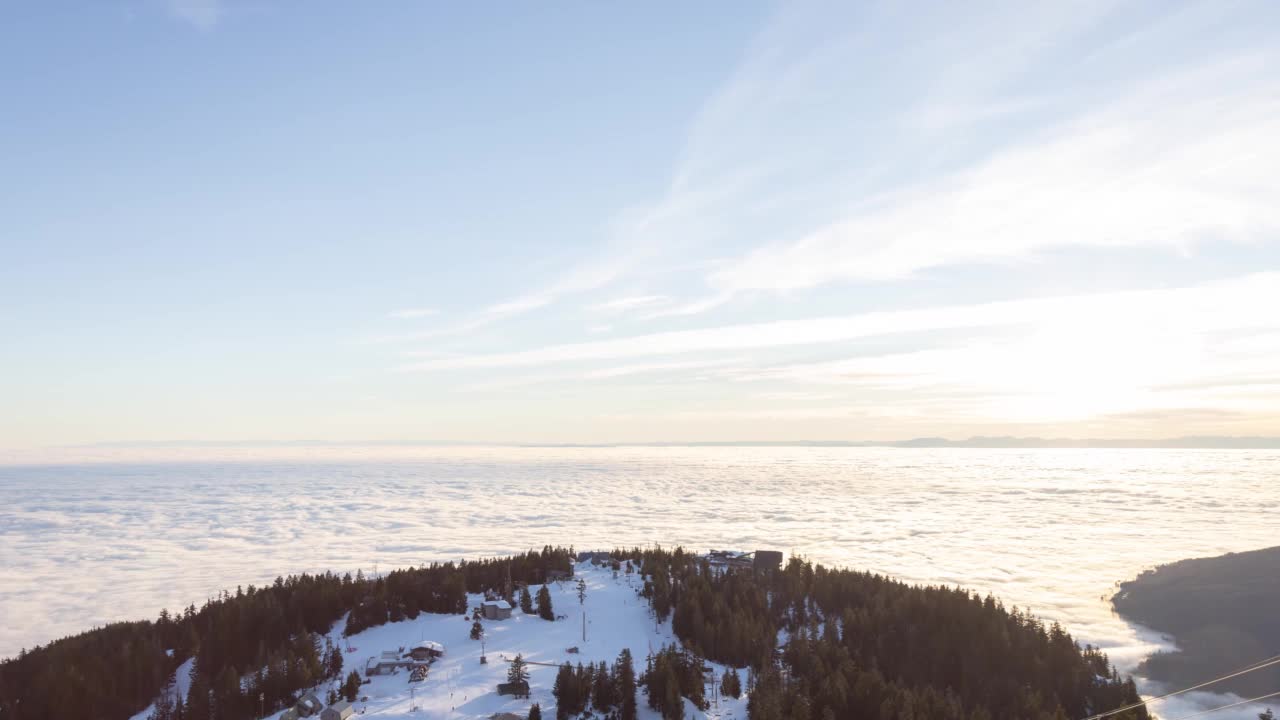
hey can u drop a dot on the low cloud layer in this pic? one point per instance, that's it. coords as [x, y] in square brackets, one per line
[1011, 522]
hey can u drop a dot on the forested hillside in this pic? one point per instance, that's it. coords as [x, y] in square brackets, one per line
[860, 645]
[1221, 612]
[270, 636]
[808, 642]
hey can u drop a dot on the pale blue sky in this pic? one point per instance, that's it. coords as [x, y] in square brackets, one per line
[576, 222]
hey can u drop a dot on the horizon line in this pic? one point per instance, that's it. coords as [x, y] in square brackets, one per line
[980, 441]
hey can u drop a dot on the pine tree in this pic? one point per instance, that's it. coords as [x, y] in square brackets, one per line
[335, 662]
[582, 591]
[564, 692]
[477, 630]
[602, 689]
[164, 707]
[519, 670]
[198, 706]
[672, 701]
[801, 709]
[765, 701]
[226, 694]
[730, 684]
[545, 610]
[351, 688]
[526, 601]
[625, 673]
[535, 712]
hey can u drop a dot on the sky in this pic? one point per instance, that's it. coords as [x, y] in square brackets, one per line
[266, 222]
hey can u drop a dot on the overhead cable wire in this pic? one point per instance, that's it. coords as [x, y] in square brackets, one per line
[1273, 660]
[1224, 707]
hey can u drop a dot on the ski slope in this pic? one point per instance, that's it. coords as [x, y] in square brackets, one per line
[181, 684]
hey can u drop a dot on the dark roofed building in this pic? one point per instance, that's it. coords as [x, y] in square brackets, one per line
[426, 650]
[309, 705]
[338, 711]
[728, 559]
[519, 688]
[770, 560]
[496, 610]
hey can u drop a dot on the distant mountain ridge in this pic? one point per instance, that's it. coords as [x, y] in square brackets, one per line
[1260, 442]
[86, 452]
[1190, 442]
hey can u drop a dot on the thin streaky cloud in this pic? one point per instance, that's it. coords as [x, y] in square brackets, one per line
[1161, 168]
[581, 279]
[993, 211]
[413, 313]
[488, 316]
[675, 369]
[634, 302]
[646, 368]
[202, 14]
[1109, 179]
[692, 307]
[1239, 303]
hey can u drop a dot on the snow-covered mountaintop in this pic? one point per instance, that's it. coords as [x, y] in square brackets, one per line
[460, 687]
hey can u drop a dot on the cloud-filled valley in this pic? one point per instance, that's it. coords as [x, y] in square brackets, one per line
[1049, 530]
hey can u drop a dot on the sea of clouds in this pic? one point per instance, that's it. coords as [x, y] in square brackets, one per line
[1050, 530]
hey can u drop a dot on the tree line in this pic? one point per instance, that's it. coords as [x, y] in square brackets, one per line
[854, 645]
[254, 647]
[609, 690]
[863, 645]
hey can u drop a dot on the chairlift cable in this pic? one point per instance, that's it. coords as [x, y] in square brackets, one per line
[1273, 660]
[1224, 707]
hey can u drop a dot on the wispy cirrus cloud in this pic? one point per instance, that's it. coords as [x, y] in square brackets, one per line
[647, 368]
[808, 167]
[630, 303]
[1220, 306]
[855, 160]
[202, 14]
[487, 316]
[1113, 178]
[413, 313]
[970, 155]
[587, 277]
[1068, 359]
[611, 373]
